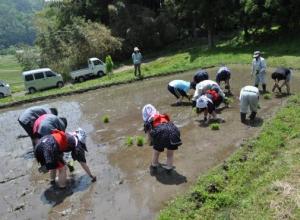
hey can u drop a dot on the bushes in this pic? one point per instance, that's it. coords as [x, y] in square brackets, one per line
[109, 65]
[69, 47]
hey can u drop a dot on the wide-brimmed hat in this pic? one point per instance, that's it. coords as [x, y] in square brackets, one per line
[148, 112]
[256, 54]
[136, 49]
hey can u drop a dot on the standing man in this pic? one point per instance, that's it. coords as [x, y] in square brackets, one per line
[259, 69]
[137, 60]
[282, 73]
[249, 97]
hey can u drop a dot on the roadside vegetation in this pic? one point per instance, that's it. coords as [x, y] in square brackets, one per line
[259, 181]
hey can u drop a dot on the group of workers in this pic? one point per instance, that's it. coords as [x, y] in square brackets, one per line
[207, 97]
[50, 141]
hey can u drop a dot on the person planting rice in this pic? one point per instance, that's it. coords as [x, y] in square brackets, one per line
[206, 85]
[30, 115]
[200, 76]
[206, 105]
[223, 74]
[50, 149]
[47, 123]
[259, 69]
[249, 97]
[180, 89]
[162, 133]
[279, 74]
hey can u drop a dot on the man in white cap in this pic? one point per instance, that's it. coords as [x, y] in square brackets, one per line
[259, 69]
[249, 97]
[50, 149]
[137, 60]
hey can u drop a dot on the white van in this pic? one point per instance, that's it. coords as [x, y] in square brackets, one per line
[4, 89]
[40, 79]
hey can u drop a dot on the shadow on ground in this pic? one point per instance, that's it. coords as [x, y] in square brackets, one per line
[56, 196]
[168, 177]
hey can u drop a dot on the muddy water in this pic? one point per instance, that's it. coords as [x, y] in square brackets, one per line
[125, 189]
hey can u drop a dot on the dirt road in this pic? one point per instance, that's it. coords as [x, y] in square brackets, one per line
[125, 189]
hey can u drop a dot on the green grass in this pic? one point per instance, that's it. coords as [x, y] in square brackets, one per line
[267, 96]
[140, 141]
[105, 119]
[261, 180]
[214, 126]
[10, 71]
[190, 56]
[129, 141]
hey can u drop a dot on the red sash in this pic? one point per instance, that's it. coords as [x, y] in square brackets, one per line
[159, 119]
[61, 139]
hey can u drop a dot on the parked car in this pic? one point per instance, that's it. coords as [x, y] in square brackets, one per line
[96, 67]
[4, 89]
[40, 79]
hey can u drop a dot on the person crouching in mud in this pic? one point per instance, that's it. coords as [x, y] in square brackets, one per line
[162, 134]
[180, 89]
[50, 149]
[207, 104]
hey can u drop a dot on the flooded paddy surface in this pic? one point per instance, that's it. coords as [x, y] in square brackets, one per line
[124, 188]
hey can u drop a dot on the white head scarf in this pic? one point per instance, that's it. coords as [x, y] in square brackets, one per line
[202, 101]
[148, 112]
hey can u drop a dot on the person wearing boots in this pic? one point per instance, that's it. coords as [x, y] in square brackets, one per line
[137, 61]
[259, 70]
[279, 74]
[249, 97]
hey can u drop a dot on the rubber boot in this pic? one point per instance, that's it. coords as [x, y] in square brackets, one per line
[243, 117]
[252, 116]
[264, 88]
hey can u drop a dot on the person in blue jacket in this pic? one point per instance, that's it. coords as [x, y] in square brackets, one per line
[180, 89]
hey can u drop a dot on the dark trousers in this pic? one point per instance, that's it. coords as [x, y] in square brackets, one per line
[177, 92]
[137, 68]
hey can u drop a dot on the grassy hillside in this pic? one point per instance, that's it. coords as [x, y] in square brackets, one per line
[10, 71]
[260, 181]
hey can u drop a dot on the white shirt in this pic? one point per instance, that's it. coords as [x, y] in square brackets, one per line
[250, 89]
[203, 86]
[259, 65]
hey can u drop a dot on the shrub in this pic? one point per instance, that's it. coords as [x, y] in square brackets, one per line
[140, 141]
[214, 126]
[105, 119]
[109, 65]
